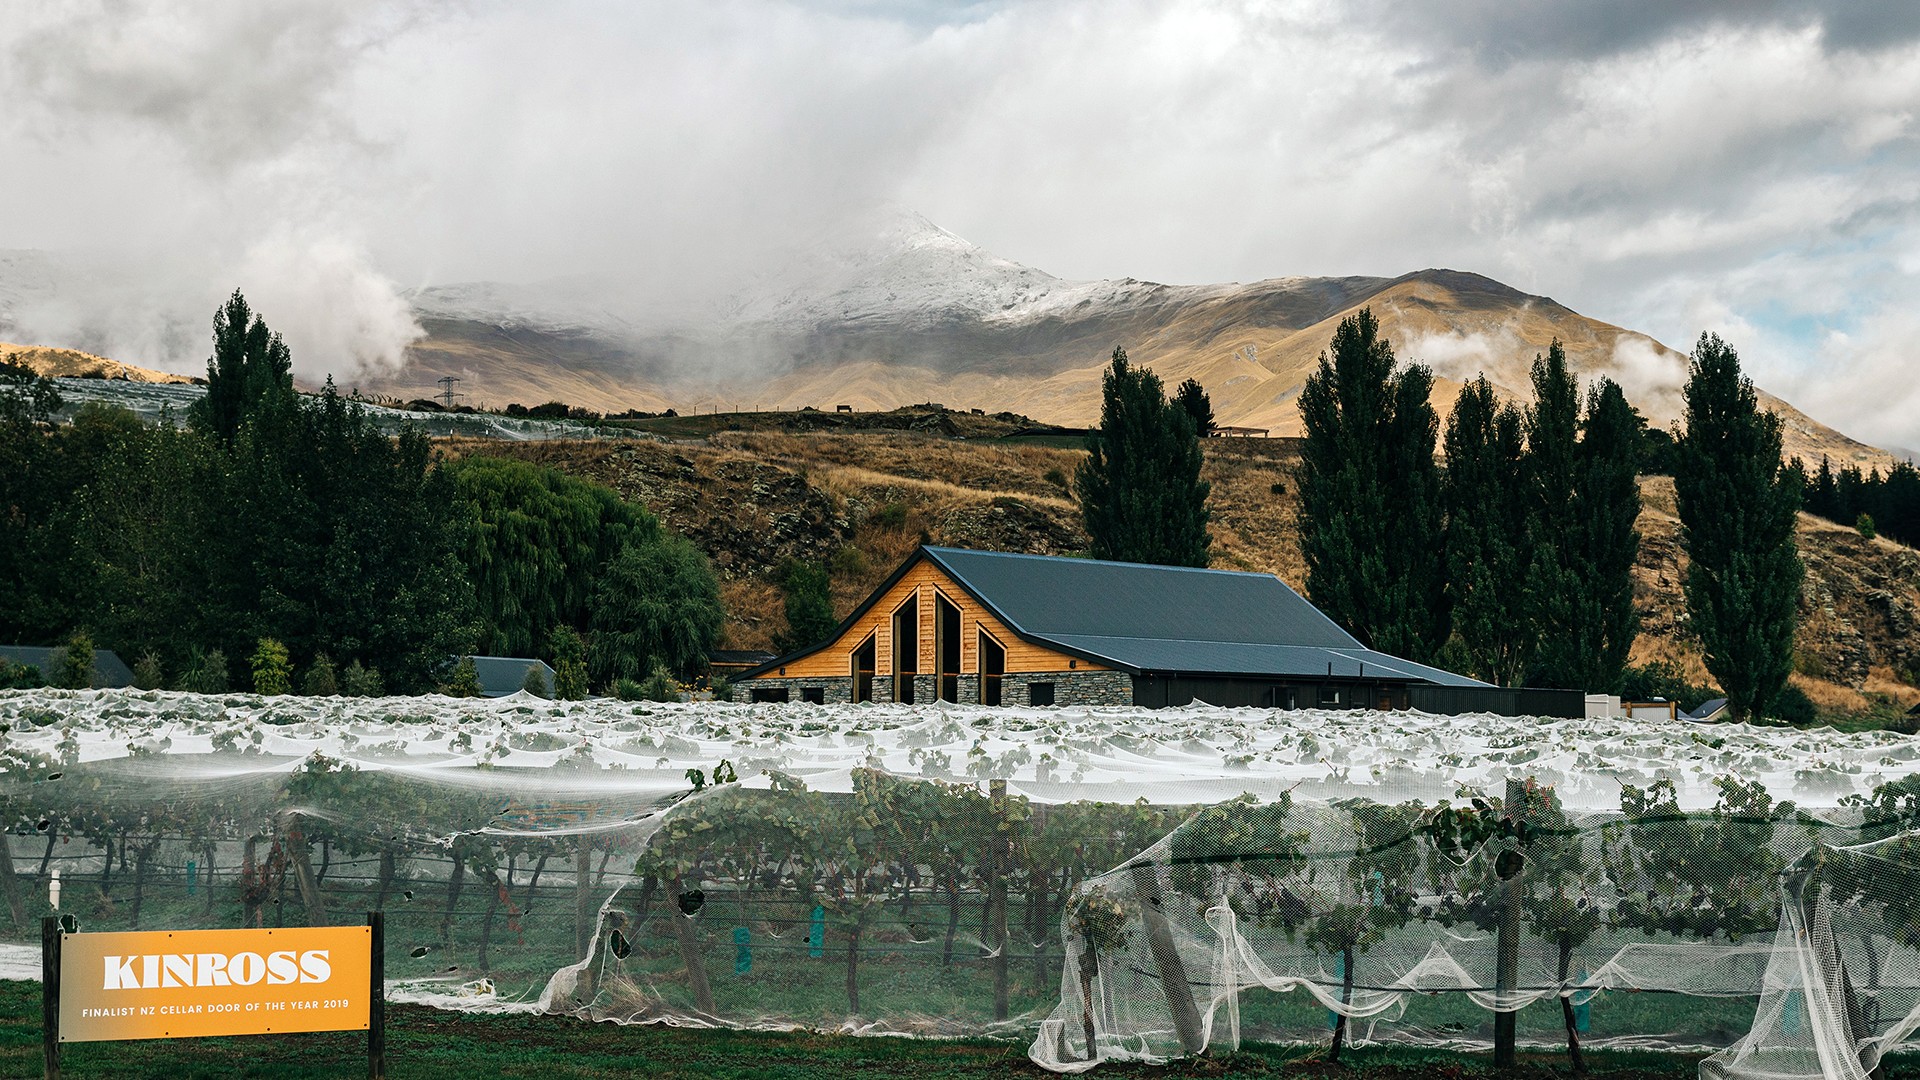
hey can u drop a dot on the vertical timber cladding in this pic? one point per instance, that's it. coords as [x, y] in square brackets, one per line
[933, 598]
[161, 984]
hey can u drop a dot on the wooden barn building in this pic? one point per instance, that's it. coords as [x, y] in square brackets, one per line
[997, 628]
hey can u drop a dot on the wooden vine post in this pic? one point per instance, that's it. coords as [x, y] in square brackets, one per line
[1507, 947]
[583, 920]
[1166, 959]
[997, 860]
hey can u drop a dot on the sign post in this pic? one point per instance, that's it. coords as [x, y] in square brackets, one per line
[50, 994]
[187, 983]
[377, 997]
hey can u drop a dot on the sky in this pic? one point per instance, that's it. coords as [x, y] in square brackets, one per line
[1747, 167]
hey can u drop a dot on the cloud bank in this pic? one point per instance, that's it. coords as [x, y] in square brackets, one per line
[1751, 168]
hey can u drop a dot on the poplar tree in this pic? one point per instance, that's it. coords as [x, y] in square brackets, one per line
[1605, 539]
[1737, 513]
[1371, 517]
[1552, 580]
[1486, 533]
[1140, 491]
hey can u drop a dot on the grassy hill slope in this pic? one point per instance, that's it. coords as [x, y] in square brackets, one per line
[859, 503]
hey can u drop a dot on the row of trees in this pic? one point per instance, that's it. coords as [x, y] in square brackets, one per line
[273, 515]
[1884, 505]
[1514, 561]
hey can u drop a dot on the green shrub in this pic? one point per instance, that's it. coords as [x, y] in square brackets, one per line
[19, 676]
[628, 690]
[146, 672]
[206, 673]
[359, 681]
[1810, 663]
[73, 664]
[1055, 477]
[1864, 525]
[570, 665]
[536, 682]
[1278, 489]
[892, 515]
[322, 679]
[465, 681]
[848, 561]
[722, 688]
[1793, 707]
[272, 668]
[660, 685]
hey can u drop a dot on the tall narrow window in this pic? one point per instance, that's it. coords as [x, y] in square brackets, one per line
[863, 669]
[906, 648]
[993, 669]
[946, 647]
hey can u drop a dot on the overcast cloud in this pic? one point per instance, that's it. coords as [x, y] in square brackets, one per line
[1745, 167]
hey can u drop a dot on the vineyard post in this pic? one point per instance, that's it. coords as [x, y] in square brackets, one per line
[1507, 948]
[997, 893]
[1166, 959]
[583, 908]
[16, 904]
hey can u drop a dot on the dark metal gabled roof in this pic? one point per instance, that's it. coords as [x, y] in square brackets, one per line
[1171, 655]
[1144, 618]
[503, 675]
[1172, 618]
[1051, 597]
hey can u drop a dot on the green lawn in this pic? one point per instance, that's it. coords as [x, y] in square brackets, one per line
[426, 1043]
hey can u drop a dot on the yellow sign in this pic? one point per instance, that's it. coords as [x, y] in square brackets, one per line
[175, 984]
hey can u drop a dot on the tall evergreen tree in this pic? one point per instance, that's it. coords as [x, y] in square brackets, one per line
[1605, 539]
[1486, 534]
[809, 606]
[1371, 518]
[1192, 397]
[250, 370]
[1823, 497]
[1552, 581]
[1140, 490]
[1737, 514]
[39, 542]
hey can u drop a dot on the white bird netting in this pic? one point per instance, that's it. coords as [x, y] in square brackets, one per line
[1114, 883]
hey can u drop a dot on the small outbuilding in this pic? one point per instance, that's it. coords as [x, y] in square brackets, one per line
[109, 671]
[997, 628]
[503, 675]
[1710, 711]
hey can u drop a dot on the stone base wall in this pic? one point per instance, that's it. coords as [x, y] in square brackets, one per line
[837, 691]
[1069, 688]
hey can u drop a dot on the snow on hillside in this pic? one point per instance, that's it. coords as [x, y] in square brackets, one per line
[899, 270]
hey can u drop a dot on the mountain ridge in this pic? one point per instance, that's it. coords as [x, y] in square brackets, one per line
[896, 310]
